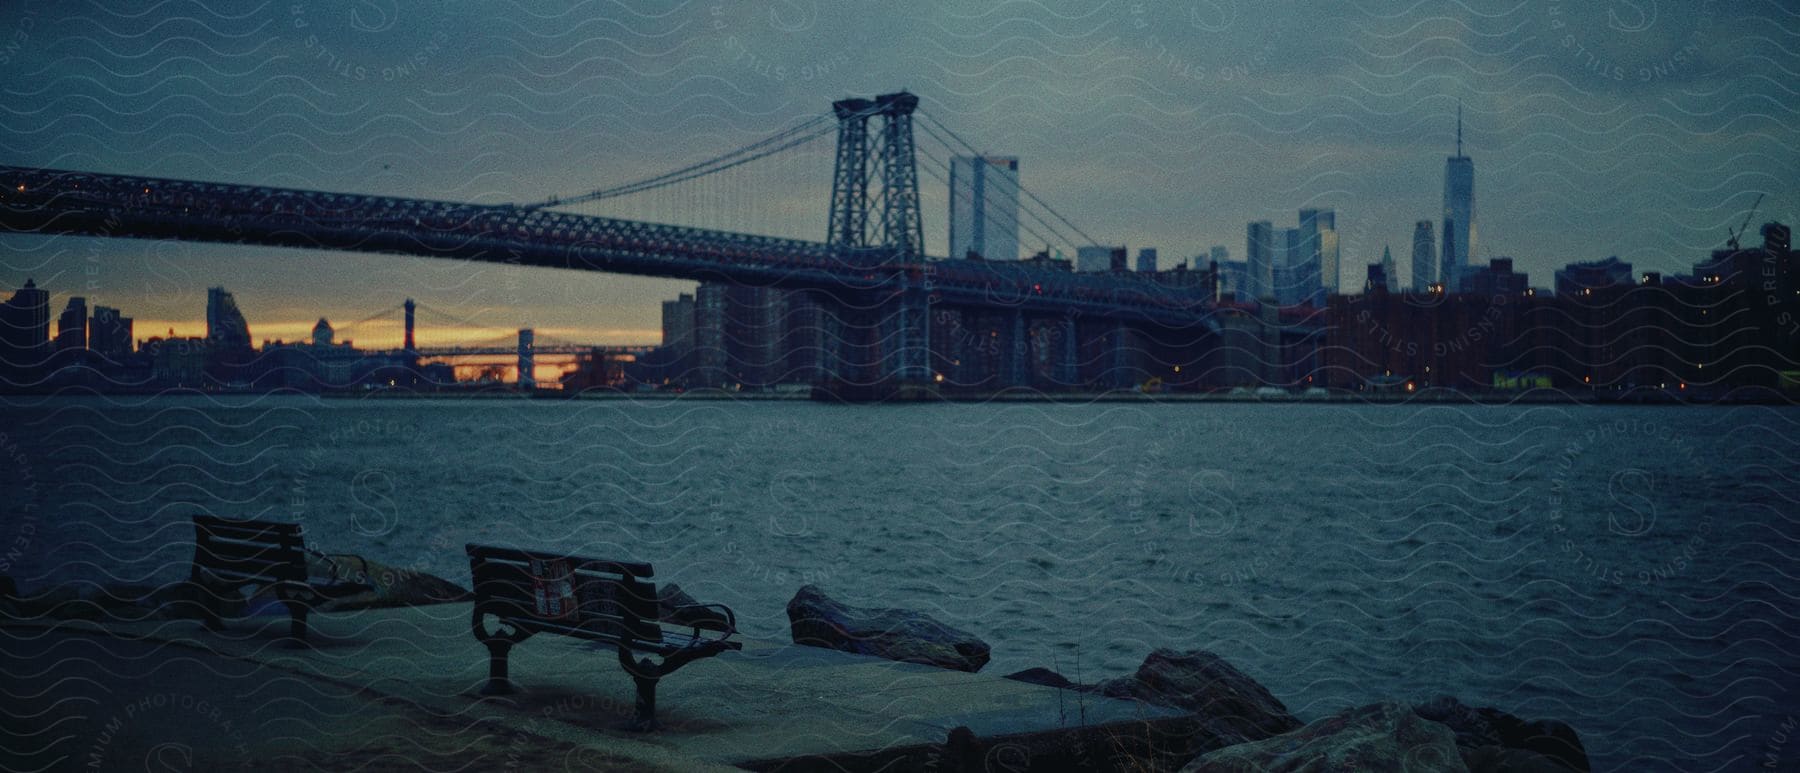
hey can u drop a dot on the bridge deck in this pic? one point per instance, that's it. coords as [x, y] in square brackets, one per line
[55, 201]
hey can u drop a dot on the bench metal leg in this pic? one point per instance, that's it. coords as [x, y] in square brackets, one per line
[208, 601]
[199, 598]
[646, 702]
[497, 683]
[644, 674]
[297, 623]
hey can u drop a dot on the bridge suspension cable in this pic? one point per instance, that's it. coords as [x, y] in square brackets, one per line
[1056, 235]
[786, 139]
[937, 168]
[932, 123]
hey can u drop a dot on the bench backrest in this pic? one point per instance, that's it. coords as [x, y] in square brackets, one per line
[584, 597]
[249, 551]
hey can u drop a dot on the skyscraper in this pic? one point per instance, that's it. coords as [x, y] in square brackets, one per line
[1259, 259]
[1296, 275]
[1220, 253]
[1424, 257]
[109, 333]
[1093, 257]
[1388, 270]
[71, 327]
[24, 329]
[1318, 259]
[984, 207]
[1459, 213]
[678, 324]
[1146, 262]
[226, 329]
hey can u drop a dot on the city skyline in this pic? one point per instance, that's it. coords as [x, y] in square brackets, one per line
[1325, 125]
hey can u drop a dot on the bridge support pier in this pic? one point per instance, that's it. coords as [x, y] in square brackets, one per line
[1068, 364]
[1120, 345]
[909, 361]
[1017, 369]
[876, 349]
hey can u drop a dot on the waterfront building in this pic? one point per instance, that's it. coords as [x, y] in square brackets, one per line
[678, 325]
[1377, 281]
[109, 333]
[1219, 253]
[1093, 258]
[1495, 279]
[71, 327]
[177, 361]
[1585, 278]
[1146, 260]
[24, 330]
[226, 328]
[984, 207]
[1424, 258]
[1234, 280]
[322, 333]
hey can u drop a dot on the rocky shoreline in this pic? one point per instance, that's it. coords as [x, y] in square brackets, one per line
[1241, 726]
[1230, 722]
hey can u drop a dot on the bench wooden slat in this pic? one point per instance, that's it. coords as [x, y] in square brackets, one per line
[254, 531]
[255, 569]
[215, 549]
[616, 603]
[633, 568]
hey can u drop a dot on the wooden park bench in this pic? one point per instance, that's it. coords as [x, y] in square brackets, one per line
[230, 555]
[610, 602]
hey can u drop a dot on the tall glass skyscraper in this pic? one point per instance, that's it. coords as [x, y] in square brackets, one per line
[1259, 259]
[225, 325]
[1424, 257]
[24, 330]
[1459, 213]
[984, 207]
[1318, 263]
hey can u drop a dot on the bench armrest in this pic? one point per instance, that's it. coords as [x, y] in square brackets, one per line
[719, 610]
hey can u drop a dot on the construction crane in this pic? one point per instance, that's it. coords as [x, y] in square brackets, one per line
[1732, 243]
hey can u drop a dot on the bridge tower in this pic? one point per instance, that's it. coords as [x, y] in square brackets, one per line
[850, 179]
[410, 309]
[896, 225]
[882, 340]
[527, 359]
[902, 230]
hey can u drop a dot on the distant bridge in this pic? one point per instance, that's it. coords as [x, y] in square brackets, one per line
[879, 295]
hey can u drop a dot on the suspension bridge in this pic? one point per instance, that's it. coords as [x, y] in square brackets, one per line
[478, 338]
[887, 314]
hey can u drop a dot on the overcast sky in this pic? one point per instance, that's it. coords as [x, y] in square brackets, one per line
[1642, 129]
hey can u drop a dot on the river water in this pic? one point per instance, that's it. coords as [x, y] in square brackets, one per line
[1628, 570]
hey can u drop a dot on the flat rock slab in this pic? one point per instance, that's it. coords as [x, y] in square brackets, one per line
[771, 702]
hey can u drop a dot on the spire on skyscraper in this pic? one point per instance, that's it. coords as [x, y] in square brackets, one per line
[1459, 129]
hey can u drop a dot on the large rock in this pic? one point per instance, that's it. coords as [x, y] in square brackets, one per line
[674, 605]
[390, 586]
[896, 634]
[1047, 678]
[1383, 736]
[1491, 739]
[1235, 706]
